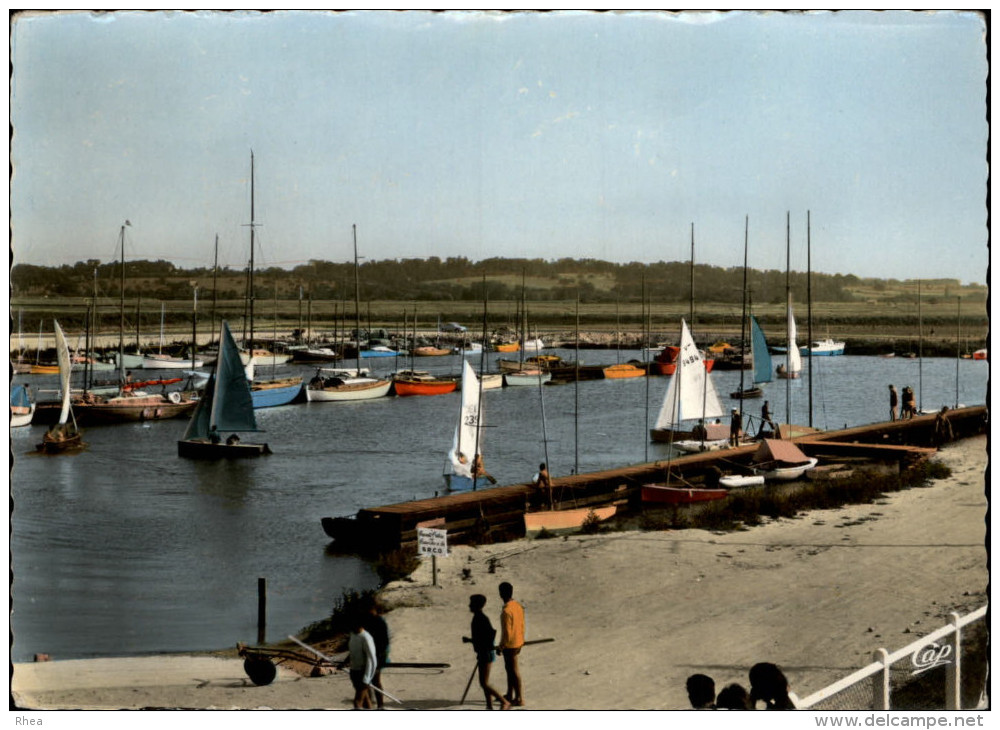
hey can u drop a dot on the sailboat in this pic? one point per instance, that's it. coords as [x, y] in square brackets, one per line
[159, 361]
[467, 446]
[275, 391]
[691, 396]
[63, 436]
[348, 387]
[225, 407]
[761, 363]
[792, 367]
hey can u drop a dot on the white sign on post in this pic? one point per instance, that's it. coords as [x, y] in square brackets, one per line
[432, 542]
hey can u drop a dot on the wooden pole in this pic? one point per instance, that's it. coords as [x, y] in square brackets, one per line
[261, 609]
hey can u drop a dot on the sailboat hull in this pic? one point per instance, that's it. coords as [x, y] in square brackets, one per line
[747, 393]
[171, 363]
[404, 387]
[662, 494]
[279, 393]
[349, 391]
[55, 443]
[204, 449]
[458, 483]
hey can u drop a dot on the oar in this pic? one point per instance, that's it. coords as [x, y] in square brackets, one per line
[476, 666]
[324, 656]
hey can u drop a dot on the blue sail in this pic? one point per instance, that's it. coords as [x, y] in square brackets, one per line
[761, 357]
[227, 404]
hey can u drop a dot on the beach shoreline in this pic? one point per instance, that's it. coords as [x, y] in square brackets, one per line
[632, 614]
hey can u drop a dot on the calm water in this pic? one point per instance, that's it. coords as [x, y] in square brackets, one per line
[126, 548]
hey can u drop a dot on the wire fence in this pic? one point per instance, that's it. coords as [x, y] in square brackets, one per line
[936, 657]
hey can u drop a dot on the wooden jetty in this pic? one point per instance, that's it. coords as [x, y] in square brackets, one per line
[497, 513]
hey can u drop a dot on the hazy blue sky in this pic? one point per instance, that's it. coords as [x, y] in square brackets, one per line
[478, 135]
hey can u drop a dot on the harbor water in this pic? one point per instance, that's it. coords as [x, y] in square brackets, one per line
[125, 548]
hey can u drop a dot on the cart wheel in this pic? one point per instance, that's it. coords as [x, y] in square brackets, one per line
[260, 671]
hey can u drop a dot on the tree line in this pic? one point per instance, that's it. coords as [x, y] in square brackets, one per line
[451, 279]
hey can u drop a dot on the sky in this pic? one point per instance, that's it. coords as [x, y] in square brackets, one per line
[575, 134]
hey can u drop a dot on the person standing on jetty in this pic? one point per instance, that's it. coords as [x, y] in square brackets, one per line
[765, 420]
[511, 641]
[483, 635]
[376, 626]
[893, 403]
[735, 426]
[363, 662]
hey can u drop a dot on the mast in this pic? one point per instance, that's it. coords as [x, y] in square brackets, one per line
[958, 348]
[357, 298]
[576, 395]
[743, 319]
[121, 314]
[644, 309]
[809, 296]
[920, 351]
[482, 372]
[194, 327]
[788, 325]
[250, 289]
[215, 287]
[691, 276]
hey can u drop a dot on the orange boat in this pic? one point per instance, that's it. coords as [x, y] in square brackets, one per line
[623, 370]
[430, 351]
[420, 382]
[980, 354]
[508, 347]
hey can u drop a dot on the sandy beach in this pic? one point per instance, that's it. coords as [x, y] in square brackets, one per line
[632, 614]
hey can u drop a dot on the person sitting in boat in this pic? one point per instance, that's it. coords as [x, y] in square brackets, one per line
[699, 432]
[232, 440]
[316, 381]
[479, 470]
[213, 435]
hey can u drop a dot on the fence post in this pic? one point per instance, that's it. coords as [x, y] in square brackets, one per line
[953, 670]
[880, 681]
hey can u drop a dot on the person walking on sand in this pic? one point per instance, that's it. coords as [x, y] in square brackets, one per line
[511, 641]
[363, 663]
[483, 636]
[893, 403]
[379, 630]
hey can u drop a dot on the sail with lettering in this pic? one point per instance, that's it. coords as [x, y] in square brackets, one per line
[691, 395]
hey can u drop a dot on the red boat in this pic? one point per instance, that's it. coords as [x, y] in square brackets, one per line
[666, 362]
[662, 494]
[980, 354]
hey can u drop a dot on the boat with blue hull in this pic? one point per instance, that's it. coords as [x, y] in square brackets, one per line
[275, 392]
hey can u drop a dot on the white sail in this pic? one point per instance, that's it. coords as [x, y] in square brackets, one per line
[468, 432]
[794, 358]
[691, 394]
[62, 351]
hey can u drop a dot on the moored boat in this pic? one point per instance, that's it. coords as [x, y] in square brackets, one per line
[22, 407]
[778, 460]
[566, 520]
[665, 494]
[421, 382]
[623, 370]
[532, 376]
[823, 348]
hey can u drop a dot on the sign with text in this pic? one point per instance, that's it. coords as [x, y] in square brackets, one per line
[432, 542]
